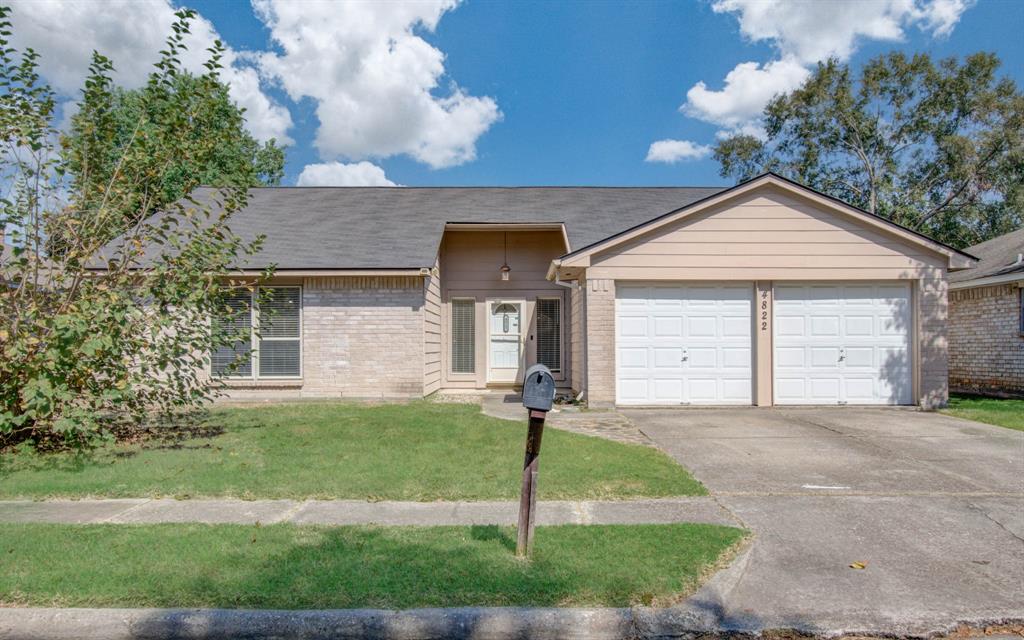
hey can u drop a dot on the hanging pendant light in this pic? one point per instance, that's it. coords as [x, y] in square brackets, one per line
[505, 270]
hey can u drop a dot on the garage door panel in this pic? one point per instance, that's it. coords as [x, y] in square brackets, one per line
[824, 326]
[736, 358]
[667, 357]
[635, 358]
[859, 326]
[823, 358]
[736, 326]
[668, 390]
[696, 339]
[702, 327]
[789, 325]
[668, 326]
[845, 344]
[632, 327]
[860, 357]
[703, 358]
[633, 389]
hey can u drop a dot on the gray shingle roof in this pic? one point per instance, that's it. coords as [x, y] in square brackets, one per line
[401, 227]
[995, 257]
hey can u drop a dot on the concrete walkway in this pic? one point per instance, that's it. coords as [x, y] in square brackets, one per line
[348, 512]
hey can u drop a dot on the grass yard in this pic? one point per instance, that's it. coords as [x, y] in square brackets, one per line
[420, 451]
[298, 567]
[997, 411]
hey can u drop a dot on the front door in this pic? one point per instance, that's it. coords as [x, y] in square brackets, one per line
[506, 348]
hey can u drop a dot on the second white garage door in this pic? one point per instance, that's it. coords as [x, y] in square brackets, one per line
[842, 344]
[683, 344]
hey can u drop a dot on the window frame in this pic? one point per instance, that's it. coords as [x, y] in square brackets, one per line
[451, 333]
[1020, 309]
[561, 331]
[255, 338]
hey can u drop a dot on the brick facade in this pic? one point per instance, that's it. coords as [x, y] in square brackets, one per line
[932, 342]
[362, 337]
[986, 348]
[600, 360]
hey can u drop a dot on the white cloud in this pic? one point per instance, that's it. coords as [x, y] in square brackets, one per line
[672, 151]
[374, 80]
[812, 30]
[804, 32]
[131, 33]
[748, 88]
[339, 174]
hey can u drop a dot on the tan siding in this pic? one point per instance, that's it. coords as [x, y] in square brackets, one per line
[765, 236]
[432, 331]
[470, 262]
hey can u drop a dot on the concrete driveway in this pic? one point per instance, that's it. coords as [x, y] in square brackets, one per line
[933, 506]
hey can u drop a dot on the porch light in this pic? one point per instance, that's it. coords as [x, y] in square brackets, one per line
[505, 269]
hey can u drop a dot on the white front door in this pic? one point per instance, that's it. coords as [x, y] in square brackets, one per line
[843, 344]
[506, 348]
[683, 344]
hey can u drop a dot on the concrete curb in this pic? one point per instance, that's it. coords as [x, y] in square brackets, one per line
[471, 623]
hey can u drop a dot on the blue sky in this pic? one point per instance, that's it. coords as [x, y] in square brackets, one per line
[583, 88]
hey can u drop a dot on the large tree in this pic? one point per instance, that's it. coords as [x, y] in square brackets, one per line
[213, 147]
[936, 146]
[98, 331]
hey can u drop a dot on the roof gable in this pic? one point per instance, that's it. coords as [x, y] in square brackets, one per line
[581, 257]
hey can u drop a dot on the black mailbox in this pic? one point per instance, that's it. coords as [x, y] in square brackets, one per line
[538, 388]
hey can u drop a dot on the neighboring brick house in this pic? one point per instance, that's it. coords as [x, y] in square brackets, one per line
[763, 293]
[986, 319]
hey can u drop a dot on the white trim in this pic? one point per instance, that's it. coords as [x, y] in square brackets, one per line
[1017, 276]
[523, 325]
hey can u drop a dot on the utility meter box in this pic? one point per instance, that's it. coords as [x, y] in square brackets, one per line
[538, 388]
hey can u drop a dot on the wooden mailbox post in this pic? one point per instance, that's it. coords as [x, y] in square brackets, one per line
[538, 394]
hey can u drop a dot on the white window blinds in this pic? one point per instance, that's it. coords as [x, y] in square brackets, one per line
[549, 333]
[279, 353]
[276, 334]
[463, 336]
[236, 319]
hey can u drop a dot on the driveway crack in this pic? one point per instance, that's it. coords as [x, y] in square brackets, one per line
[989, 516]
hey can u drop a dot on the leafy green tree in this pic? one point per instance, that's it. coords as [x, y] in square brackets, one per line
[936, 146]
[112, 120]
[100, 332]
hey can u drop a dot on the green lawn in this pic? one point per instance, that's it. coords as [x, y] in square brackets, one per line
[420, 451]
[292, 567]
[997, 411]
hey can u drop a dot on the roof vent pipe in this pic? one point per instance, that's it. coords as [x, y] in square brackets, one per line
[1020, 259]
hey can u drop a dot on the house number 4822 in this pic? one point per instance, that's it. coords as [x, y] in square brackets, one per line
[764, 311]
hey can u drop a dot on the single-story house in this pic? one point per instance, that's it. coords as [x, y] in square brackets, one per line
[986, 319]
[764, 293]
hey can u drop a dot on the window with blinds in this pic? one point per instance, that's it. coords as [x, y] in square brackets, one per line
[237, 320]
[280, 351]
[272, 346]
[549, 333]
[463, 336]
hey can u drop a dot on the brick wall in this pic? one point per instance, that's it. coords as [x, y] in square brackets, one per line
[933, 341]
[363, 337]
[600, 360]
[986, 350]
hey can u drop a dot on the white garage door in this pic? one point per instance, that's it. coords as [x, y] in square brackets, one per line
[683, 344]
[842, 344]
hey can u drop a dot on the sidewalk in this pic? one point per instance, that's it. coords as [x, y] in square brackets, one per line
[351, 512]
